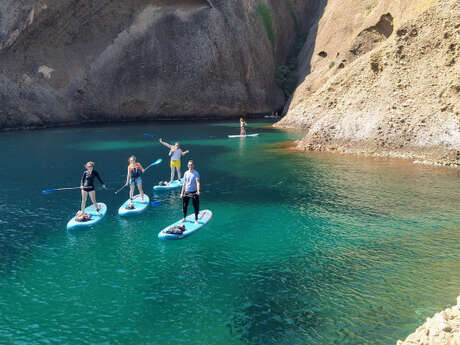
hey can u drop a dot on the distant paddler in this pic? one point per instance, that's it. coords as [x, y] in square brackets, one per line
[191, 190]
[242, 126]
[176, 153]
[87, 187]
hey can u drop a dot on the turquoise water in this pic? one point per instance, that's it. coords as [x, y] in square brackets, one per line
[302, 249]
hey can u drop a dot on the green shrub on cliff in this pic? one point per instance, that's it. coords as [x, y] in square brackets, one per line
[286, 75]
[265, 14]
[286, 79]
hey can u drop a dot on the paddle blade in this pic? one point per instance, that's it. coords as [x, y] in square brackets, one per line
[149, 135]
[158, 161]
[155, 203]
[48, 191]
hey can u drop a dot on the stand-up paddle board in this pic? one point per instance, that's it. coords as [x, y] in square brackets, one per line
[173, 185]
[243, 136]
[91, 210]
[139, 205]
[190, 227]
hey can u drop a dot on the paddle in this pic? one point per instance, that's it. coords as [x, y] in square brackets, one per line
[157, 202]
[49, 191]
[158, 161]
[149, 135]
[118, 191]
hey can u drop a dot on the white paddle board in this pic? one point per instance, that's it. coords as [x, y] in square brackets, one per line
[243, 136]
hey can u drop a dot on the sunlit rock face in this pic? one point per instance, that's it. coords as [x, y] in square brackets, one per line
[383, 80]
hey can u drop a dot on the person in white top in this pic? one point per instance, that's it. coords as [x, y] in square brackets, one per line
[176, 153]
[242, 126]
[191, 190]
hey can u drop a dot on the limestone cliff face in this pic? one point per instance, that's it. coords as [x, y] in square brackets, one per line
[73, 61]
[383, 81]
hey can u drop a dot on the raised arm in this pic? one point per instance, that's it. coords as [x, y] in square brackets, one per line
[164, 143]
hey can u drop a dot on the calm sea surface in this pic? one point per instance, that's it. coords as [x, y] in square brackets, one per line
[302, 249]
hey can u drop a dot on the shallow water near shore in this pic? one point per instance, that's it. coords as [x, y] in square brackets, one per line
[302, 249]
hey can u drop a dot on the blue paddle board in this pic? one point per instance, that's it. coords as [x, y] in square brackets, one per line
[73, 224]
[139, 205]
[173, 185]
[190, 227]
[243, 136]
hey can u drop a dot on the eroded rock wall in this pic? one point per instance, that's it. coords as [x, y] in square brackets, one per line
[388, 89]
[74, 61]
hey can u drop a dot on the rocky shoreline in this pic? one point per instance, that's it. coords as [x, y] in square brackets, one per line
[399, 97]
[442, 329]
[434, 156]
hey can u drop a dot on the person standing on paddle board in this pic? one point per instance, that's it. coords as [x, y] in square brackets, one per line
[191, 190]
[176, 153]
[242, 126]
[133, 178]
[87, 186]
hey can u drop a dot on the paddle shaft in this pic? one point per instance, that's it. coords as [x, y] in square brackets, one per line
[151, 165]
[67, 188]
[49, 191]
[118, 191]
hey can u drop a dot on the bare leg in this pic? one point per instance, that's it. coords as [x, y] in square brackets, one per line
[179, 176]
[139, 186]
[172, 174]
[92, 195]
[84, 196]
[131, 192]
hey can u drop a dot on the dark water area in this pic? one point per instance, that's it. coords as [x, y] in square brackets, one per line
[302, 249]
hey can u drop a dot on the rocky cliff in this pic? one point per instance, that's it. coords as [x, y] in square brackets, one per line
[70, 61]
[442, 329]
[383, 79]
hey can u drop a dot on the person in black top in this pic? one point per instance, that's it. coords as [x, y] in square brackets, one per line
[87, 186]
